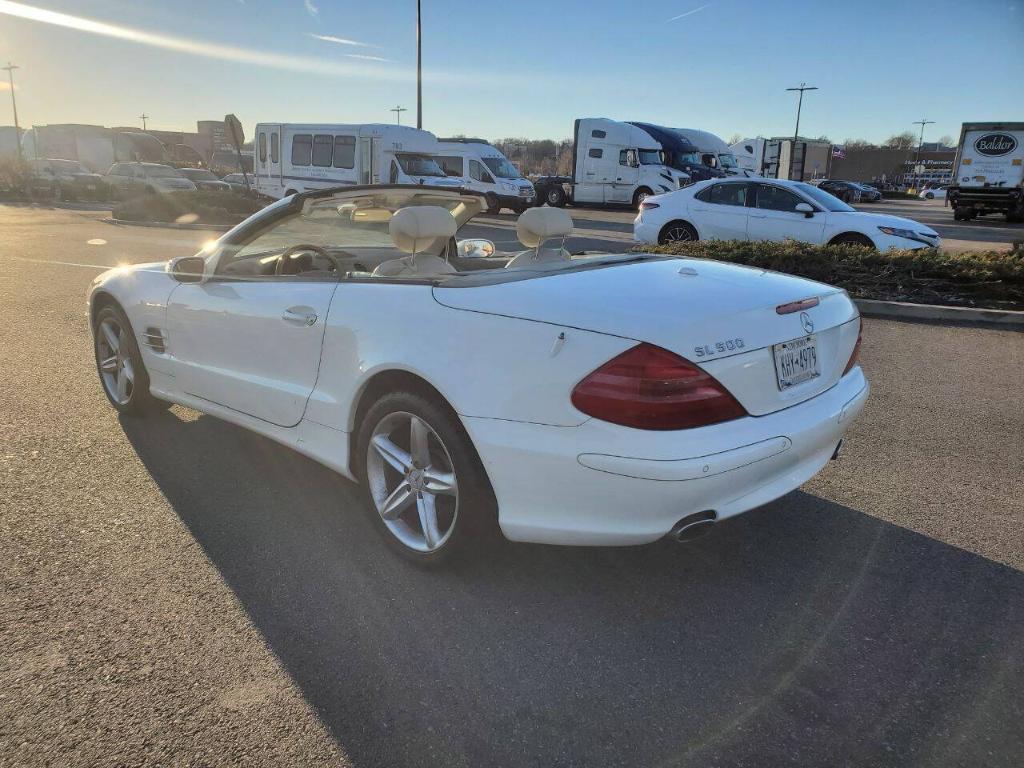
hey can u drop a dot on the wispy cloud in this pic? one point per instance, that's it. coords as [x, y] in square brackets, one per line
[213, 50]
[689, 13]
[341, 40]
[311, 9]
[364, 57]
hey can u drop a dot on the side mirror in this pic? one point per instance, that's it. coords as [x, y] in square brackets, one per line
[187, 269]
[805, 208]
[475, 249]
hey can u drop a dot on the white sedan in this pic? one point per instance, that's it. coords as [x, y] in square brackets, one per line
[934, 193]
[771, 209]
[603, 400]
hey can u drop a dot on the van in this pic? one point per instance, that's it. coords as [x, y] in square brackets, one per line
[299, 157]
[483, 168]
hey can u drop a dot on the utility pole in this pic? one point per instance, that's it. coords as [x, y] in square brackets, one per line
[143, 117]
[796, 131]
[398, 113]
[419, 67]
[14, 104]
[920, 143]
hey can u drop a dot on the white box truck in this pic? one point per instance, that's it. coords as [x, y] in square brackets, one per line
[298, 157]
[613, 163]
[988, 171]
[483, 168]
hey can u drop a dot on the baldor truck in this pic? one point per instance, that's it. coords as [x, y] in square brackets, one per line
[989, 172]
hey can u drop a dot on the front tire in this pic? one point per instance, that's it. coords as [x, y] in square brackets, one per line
[423, 482]
[119, 364]
[677, 232]
[852, 238]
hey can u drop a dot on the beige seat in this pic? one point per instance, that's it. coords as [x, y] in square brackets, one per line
[423, 232]
[535, 227]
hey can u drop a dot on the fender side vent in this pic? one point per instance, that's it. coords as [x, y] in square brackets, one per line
[155, 340]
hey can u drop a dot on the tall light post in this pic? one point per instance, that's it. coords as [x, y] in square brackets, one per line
[398, 113]
[796, 131]
[143, 117]
[419, 67]
[920, 143]
[14, 104]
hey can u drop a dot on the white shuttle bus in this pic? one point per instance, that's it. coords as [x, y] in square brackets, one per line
[293, 157]
[483, 168]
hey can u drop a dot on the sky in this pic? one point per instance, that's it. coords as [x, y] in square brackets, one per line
[525, 69]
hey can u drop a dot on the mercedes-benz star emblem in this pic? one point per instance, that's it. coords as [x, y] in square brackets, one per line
[806, 322]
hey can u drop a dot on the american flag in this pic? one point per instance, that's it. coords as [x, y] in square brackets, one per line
[838, 153]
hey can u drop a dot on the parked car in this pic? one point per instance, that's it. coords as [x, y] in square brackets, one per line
[134, 177]
[868, 193]
[205, 180]
[237, 182]
[541, 395]
[67, 179]
[847, 191]
[934, 193]
[771, 209]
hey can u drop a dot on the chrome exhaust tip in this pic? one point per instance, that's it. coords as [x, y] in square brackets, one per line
[693, 526]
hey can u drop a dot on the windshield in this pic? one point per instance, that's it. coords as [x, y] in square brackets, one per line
[690, 158]
[419, 165]
[823, 198]
[502, 168]
[652, 157]
[200, 174]
[727, 161]
[162, 172]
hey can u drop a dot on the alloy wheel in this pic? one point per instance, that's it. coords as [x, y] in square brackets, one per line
[677, 234]
[412, 481]
[115, 363]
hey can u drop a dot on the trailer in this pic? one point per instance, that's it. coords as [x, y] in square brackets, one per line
[613, 163]
[988, 172]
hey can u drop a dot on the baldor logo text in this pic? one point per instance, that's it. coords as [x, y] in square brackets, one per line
[995, 144]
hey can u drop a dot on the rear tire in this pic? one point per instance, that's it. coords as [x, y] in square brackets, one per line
[677, 232]
[119, 364]
[493, 204]
[429, 527]
[929, 196]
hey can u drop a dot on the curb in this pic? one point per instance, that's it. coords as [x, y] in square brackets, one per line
[1007, 320]
[169, 225]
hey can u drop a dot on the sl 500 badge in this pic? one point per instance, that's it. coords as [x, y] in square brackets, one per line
[728, 345]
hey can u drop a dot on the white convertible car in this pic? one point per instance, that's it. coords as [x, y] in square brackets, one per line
[771, 209]
[596, 400]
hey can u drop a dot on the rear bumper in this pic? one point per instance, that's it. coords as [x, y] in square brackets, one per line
[601, 484]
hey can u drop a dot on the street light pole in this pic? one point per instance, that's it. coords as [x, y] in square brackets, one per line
[398, 113]
[796, 131]
[419, 67]
[14, 104]
[920, 143]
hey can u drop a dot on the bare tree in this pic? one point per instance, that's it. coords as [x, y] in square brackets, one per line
[857, 144]
[905, 140]
[735, 139]
[947, 141]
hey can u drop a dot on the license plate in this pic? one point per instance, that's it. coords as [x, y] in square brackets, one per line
[796, 361]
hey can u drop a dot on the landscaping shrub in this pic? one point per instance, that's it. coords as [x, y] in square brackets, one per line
[190, 207]
[895, 195]
[928, 276]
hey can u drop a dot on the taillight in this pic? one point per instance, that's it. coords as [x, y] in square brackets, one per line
[648, 387]
[855, 355]
[645, 206]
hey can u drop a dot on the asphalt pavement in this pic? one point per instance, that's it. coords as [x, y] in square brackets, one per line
[177, 591]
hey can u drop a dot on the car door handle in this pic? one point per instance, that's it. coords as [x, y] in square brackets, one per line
[299, 316]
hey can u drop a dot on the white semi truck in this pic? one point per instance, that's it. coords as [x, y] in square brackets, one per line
[988, 171]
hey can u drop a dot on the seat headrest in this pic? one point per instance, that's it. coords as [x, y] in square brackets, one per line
[539, 224]
[413, 229]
